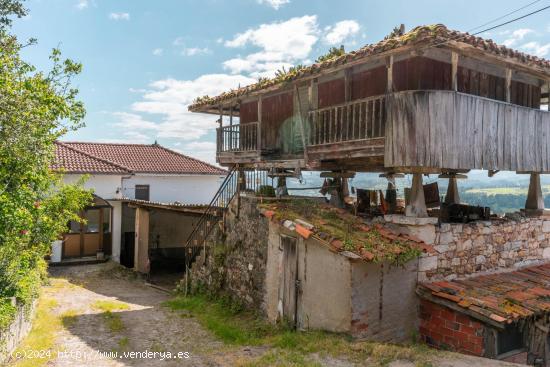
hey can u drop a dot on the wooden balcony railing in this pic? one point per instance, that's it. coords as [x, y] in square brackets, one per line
[238, 138]
[356, 120]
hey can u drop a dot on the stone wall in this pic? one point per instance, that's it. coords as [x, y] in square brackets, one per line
[486, 246]
[236, 259]
[18, 329]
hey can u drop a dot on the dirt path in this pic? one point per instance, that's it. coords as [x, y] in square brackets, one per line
[102, 310]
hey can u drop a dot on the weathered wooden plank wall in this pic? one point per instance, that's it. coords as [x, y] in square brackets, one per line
[449, 130]
[275, 111]
[248, 112]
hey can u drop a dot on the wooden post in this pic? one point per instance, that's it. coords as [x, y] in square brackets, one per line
[452, 196]
[509, 85]
[141, 246]
[259, 133]
[417, 205]
[454, 70]
[535, 200]
[389, 67]
[347, 84]
[312, 95]
[220, 122]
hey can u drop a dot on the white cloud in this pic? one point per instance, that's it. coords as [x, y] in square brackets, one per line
[275, 4]
[179, 41]
[192, 51]
[536, 48]
[119, 16]
[203, 150]
[340, 31]
[167, 100]
[158, 51]
[516, 36]
[281, 44]
[82, 4]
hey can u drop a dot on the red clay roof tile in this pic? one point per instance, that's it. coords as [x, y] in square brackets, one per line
[502, 297]
[76, 157]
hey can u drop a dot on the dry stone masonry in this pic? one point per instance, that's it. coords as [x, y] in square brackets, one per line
[486, 246]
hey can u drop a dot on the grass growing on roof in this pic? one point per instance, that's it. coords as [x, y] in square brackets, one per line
[337, 223]
[238, 327]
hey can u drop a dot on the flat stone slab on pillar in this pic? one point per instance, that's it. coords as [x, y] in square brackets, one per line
[410, 221]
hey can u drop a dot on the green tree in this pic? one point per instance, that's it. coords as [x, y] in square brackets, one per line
[36, 108]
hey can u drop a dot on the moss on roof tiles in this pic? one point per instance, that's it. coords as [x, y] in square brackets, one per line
[430, 34]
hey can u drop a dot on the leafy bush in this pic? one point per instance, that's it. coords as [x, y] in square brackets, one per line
[266, 191]
[36, 109]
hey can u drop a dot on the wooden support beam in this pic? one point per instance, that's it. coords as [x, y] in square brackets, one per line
[389, 67]
[454, 70]
[508, 85]
[535, 200]
[141, 250]
[337, 174]
[312, 95]
[259, 133]
[347, 84]
[417, 205]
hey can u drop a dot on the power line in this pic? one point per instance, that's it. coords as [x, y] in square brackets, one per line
[491, 28]
[513, 20]
[504, 16]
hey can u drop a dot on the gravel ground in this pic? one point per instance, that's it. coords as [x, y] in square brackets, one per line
[144, 325]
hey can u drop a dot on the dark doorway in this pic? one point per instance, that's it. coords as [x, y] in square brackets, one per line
[127, 250]
[289, 279]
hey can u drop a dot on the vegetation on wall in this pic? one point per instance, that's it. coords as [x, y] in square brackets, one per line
[332, 223]
[36, 108]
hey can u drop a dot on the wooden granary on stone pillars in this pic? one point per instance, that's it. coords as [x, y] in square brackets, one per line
[430, 101]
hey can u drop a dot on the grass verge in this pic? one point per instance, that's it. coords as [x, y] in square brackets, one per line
[41, 338]
[289, 348]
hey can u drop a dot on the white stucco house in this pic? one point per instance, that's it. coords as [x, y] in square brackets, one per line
[120, 173]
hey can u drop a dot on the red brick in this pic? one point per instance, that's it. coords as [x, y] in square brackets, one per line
[448, 315]
[452, 325]
[463, 319]
[468, 330]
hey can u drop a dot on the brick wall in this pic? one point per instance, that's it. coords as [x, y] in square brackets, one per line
[446, 329]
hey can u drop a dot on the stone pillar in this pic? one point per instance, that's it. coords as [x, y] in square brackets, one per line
[391, 194]
[242, 180]
[417, 204]
[452, 196]
[535, 201]
[281, 186]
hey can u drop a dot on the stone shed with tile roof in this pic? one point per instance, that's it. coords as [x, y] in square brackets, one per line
[292, 260]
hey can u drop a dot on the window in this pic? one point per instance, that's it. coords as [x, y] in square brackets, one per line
[142, 192]
[92, 220]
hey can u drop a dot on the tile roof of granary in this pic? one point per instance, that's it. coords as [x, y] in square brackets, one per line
[81, 157]
[428, 35]
[344, 233]
[502, 297]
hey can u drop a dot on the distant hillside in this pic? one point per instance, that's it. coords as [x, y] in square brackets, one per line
[505, 192]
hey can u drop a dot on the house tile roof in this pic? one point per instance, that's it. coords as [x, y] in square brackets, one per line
[501, 297]
[75, 161]
[327, 224]
[76, 157]
[425, 36]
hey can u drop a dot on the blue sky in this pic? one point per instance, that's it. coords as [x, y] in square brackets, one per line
[145, 61]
